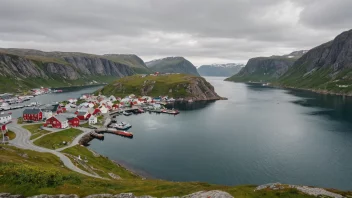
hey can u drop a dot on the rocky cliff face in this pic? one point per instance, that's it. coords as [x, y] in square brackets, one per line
[327, 67]
[266, 69]
[62, 67]
[173, 65]
[224, 70]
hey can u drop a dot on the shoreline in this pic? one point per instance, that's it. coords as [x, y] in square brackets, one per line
[323, 92]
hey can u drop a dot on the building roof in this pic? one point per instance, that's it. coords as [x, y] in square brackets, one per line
[31, 111]
[4, 115]
[61, 118]
[68, 115]
[50, 107]
[82, 113]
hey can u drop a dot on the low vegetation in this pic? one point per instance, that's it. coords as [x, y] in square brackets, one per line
[31, 173]
[56, 140]
[99, 164]
[150, 85]
[36, 130]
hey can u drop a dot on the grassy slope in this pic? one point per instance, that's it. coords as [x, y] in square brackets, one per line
[54, 140]
[101, 163]
[134, 84]
[318, 80]
[42, 173]
[35, 130]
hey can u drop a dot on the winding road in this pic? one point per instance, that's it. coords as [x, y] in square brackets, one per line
[23, 141]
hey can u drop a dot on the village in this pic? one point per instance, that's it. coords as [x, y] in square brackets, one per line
[90, 111]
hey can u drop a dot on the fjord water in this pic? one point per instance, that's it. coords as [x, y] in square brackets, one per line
[259, 135]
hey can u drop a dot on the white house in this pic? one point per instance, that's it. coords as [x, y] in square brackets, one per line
[92, 120]
[103, 109]
[5, 118]
[72, 100]
[112, 98]
[47, 114]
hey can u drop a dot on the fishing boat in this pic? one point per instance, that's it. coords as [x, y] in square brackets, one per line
[127, 113]
[121, 126]
[125, 134]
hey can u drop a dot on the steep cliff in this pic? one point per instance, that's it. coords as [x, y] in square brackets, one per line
[26, 68]
[172, 85]
[266, 69]
[224, 70]
[173, 65]
[136, 63]
[326, 68]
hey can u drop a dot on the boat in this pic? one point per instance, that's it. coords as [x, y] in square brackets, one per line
[127, 113]
[172, 111]
[124, 133]
[121, 126]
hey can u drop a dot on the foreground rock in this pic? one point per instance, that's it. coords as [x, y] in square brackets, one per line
[304, 189]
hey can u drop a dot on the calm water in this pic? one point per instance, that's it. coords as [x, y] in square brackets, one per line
[69, 92]
[259, 135]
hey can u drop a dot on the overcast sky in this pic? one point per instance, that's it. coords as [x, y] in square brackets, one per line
[203, 31]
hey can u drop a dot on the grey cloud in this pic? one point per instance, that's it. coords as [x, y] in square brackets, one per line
[199, 29]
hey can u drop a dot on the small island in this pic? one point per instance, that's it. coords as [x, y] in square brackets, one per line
[178, 86]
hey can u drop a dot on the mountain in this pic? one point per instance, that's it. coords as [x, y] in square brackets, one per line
[22, 69]
[173, 85]
[136, 63]
[173, 65]
[224, 70]
[326, 68]
[266, 69]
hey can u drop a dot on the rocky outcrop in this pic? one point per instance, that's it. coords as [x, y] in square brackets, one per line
[223, 70]
[201, 194]
[199, 89]
[173, 65]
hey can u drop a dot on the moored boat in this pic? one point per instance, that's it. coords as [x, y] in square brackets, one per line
[127, 113]
[121, 126]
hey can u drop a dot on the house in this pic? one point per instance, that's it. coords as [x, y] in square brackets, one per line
[82, 115]
[73, 121]
[5, 118]
[92, 120]
[103, 109]
[72, 100]
[47, 114]
[60, 109]
[32, 115]
[96, 112]
[59, 122]
[112, 98]
[3, 128]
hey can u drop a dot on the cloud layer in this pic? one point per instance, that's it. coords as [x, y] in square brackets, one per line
[204, 31]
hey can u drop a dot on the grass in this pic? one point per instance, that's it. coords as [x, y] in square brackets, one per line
[103, 164]
[11, 135]
[31, 173]
[54, 140]
[150, 85]
[35, 130]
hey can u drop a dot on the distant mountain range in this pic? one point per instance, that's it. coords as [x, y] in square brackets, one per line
[173, 65]
[266, 69]
[224, 70]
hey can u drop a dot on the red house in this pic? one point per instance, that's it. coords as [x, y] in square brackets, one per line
[73, 122]
[3, 127]
[32, 115]
[82, 115]
[60, 109]
[59, 122]
[96, 111]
